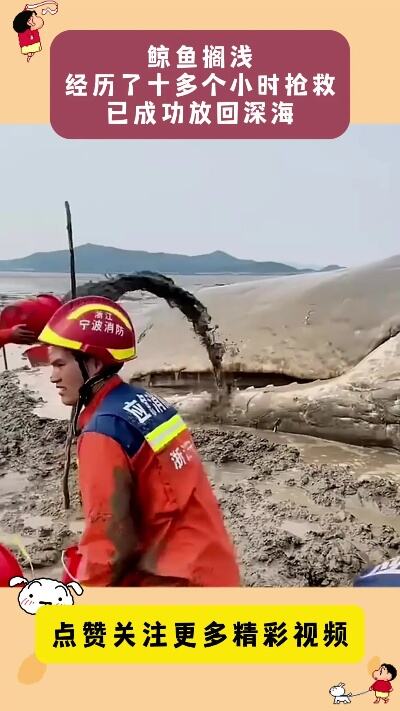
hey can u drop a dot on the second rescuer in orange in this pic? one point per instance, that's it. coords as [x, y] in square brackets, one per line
[151, 517]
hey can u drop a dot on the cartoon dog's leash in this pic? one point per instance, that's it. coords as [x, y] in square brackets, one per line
[360, 693]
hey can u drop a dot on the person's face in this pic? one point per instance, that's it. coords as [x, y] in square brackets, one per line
[382, 673]
[35, 22]
[66, 374]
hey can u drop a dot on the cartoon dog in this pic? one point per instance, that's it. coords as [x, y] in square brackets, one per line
[339, 694]
[44, 591]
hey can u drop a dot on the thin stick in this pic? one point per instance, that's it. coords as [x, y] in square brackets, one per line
[67, 463]
[71, 250]
[73, 294]
[5, 358]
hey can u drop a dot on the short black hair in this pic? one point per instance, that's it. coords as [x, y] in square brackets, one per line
[391, 670]
[20, 23]
[116, 368]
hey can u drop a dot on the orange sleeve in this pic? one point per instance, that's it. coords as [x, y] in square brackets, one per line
[5, 336]
[109, 544]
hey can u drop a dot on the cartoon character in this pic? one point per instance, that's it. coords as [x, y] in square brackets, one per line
[27, 24]
[339, 694]
[382, 686]
[44, 591]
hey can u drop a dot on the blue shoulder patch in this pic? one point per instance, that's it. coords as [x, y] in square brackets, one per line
[385, 575]
[127, 414]
[119, 430]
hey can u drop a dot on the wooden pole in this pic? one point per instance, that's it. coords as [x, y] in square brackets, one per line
[71, 250]
[73, 294]
[5, 357]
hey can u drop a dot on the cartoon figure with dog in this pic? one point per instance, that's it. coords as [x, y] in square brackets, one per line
[382, 686]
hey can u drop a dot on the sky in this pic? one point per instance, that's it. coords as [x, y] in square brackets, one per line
[299, 202]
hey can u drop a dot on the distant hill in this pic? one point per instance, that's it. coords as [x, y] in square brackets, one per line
[330, 268]
[97, 259]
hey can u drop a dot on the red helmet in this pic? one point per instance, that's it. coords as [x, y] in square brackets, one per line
[34, 312]
[9, 567]
[93, 325]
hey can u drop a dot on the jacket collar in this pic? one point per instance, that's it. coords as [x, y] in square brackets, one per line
[97, 398]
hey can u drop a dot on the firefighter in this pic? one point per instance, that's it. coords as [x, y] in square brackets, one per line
[22, 321]
[151, 516]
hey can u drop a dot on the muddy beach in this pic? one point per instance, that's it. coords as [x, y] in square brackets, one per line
[301, 512]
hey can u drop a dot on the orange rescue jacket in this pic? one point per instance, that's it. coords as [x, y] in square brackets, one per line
[150, 512]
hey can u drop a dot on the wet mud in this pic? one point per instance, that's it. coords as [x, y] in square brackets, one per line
[295, 518]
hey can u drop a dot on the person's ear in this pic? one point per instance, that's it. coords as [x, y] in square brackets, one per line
[94, 366]
[98, 365]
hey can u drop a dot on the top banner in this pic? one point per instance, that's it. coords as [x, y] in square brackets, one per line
[212, 84]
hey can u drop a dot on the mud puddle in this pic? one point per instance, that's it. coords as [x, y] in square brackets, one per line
[373, 461]
[76, 526]
[361, 511]
[10, 483]
[300, 529]
[38, 521]
[370, 513]
[277, 492]
[228, 473]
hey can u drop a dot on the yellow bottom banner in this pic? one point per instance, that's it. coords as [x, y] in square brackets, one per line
[203, 634]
